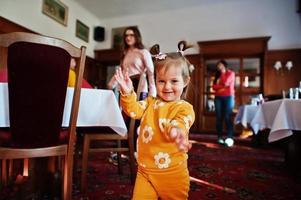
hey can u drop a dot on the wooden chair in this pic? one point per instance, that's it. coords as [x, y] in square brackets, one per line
[106, 134]
[38, 69]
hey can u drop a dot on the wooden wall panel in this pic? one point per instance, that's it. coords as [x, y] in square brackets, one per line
[90, 73]
[276, 81]
[194, 92]
[233, 47]
[3, 60]
[7, 26]
[108, 56]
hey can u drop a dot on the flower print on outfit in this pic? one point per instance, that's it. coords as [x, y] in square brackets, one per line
[156, 150]
[163, 134]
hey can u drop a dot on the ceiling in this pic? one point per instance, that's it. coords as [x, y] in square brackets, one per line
[104, 9]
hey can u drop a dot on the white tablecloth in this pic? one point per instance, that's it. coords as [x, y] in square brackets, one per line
[245, 114]
[281, 116]
[97, 108]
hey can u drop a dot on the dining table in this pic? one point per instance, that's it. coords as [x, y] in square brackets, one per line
[97, 108]
[282, 117]
[245, 114]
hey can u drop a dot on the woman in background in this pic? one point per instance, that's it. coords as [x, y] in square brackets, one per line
[136, 60]
[223, 85]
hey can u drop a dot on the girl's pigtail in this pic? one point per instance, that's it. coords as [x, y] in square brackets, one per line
[155, 51]
[182, 46]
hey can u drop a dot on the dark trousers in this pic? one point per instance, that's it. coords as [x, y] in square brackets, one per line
[223, 109]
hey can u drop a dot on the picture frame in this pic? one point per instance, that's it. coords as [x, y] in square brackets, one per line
[56, 10]
[117, 36]
[82, 31]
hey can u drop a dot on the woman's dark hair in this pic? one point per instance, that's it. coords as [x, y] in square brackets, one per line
[217, 72]
[138, 44]
[222, 62]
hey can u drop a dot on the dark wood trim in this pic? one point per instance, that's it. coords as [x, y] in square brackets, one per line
[194, 92]
[94, 73]
[235, 40]
[108, 56]
[276, 81]
[7, 26]
[234, 47]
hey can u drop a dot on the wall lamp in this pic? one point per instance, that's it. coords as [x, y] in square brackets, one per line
[287, 67]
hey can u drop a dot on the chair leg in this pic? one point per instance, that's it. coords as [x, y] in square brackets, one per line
[10, 167]
[68, 174]
[65, 181]
[77, 153]
[25, 166]
[119, 158]
[4, 172]
[85, 155]
[52, 164]
[60, 164]
[132, 159]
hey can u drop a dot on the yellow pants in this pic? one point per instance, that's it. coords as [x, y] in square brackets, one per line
[168, 184]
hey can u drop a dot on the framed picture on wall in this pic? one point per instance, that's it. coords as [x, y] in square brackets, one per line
[82, 31]
[56, 10]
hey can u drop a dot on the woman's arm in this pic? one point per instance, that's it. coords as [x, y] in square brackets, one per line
[230, 78]
[112, 83]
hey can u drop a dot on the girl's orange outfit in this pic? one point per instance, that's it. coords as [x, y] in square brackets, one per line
[162, 167]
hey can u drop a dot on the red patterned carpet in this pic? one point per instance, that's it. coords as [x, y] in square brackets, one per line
[252, 174]
[237, 173]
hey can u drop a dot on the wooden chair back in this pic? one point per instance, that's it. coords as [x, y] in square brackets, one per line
[38, 70]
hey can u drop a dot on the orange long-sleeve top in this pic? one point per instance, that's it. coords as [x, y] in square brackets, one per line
[155, 148]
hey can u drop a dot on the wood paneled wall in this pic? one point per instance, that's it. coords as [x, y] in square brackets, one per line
[276, 81]
[273, 82]
[7, 26]
[194, 90]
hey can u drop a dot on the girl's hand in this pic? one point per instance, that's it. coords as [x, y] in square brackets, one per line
[180, 139]
[124, 81]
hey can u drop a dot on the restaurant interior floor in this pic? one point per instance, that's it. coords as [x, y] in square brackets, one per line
[246, 171]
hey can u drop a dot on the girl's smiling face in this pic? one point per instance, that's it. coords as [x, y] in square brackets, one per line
[170, 83]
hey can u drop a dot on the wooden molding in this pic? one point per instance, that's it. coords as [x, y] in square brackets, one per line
[236, 47]
[7, 26]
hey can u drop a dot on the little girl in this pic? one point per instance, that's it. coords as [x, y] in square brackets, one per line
[163, 132]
